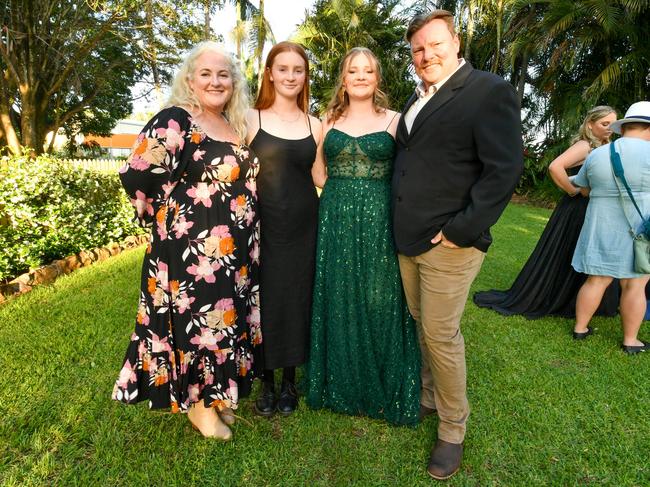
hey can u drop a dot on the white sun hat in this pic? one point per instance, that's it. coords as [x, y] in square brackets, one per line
[638, 112]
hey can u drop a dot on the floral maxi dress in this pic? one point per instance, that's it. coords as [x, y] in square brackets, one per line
[197, 332]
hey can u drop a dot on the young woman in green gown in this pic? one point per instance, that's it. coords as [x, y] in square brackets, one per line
[364, 357]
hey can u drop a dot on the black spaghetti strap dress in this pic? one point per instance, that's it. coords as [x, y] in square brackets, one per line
[288, 205]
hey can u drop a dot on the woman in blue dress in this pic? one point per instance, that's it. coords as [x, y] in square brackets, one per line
[604, 250]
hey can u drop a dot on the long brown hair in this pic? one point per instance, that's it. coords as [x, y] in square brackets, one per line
[340, 99]
[266, 95]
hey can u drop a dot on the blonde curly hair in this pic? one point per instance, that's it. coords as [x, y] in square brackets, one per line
[236, 107]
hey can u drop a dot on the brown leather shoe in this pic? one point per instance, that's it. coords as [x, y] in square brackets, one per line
[445, 459]
[425, 411]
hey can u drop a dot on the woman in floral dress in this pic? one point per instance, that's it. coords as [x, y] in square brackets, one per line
[197, 336]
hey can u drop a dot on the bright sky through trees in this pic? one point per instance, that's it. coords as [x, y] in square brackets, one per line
[283, 15]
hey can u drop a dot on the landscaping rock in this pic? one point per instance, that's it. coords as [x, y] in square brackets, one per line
[113, 248]
[130, 242]
[23, 278]
[85, 257]
[49, 273]
[102, 254]
[71, 263]
[45, 274]
[13, 288]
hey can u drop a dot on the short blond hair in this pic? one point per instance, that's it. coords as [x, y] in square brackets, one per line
[236, 107]
[420, 20]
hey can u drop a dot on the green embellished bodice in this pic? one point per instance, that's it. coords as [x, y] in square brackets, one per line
[367, 156]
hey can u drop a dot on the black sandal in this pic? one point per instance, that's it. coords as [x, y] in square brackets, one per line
[634, 349]
[584, 334]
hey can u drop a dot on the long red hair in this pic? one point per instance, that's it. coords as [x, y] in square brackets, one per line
[266, 95]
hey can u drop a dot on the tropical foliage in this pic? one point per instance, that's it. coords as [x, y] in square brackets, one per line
[334, 27]
[251, 33]
[49, 210]
[562, 56]
[72, 65]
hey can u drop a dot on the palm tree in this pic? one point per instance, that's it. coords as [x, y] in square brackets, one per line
[587, 53]
[335, 26]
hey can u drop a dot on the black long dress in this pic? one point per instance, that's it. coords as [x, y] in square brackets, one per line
[288, 205]
[547, 284]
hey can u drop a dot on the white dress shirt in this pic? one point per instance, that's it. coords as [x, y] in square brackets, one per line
[423, 96]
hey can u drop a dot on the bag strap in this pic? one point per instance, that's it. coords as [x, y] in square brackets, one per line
[619, 173]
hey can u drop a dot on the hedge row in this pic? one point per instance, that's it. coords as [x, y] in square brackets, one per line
[50, 209]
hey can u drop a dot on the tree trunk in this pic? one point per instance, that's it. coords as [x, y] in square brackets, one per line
[470, 29]
[206, 20]
[241, 19]
[9, 133]
[31, 125]
[262, 40]
[497, 48]
[151, 40]
[523, 72]
[7, 129]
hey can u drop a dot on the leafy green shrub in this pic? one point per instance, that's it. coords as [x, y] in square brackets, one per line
[50, 209]
[535, 182]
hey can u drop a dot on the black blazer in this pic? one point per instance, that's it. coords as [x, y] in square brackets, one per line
[458, 167]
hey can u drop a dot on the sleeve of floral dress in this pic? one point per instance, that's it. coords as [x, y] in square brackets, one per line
[154, 166]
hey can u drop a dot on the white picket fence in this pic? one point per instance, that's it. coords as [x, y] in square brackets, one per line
[103, 165]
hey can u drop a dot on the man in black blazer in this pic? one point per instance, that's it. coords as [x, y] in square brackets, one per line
[459, 158]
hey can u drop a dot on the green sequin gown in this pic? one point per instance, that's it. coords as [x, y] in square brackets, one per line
[364, 356]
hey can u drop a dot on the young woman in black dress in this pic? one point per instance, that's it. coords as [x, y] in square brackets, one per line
[547, 284]
[286, 140]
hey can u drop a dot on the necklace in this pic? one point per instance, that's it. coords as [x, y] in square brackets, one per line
[284, 119]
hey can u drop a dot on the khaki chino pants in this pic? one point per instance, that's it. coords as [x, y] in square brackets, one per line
[436, 285]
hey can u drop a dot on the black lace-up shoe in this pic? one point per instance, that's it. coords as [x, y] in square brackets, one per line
[266, 402]
[288, 401]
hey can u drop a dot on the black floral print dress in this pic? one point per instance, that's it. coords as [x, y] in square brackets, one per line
[197, 332]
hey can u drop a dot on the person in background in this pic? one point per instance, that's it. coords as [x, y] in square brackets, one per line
[604, 250]
[363, 356]
[285, 138]
[192, 180]
[547, 285]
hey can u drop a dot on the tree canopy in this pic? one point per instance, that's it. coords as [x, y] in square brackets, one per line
[73, 64]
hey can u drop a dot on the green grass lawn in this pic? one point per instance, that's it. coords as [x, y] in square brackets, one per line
[545, 410]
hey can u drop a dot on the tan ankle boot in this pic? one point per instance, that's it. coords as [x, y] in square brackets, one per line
[207, 421]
